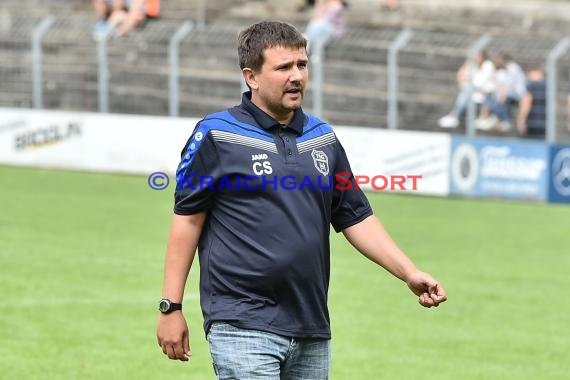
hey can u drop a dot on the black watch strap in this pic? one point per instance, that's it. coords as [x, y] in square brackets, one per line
[167, 306]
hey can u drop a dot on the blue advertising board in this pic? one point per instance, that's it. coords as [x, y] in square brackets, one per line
[499, 168]
[559, 184]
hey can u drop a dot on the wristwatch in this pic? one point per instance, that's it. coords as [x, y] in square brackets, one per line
[167, 306]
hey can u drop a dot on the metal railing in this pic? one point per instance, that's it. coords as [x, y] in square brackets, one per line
[103, 69]
[37, 60]
[174, 59]
[393, 74]
[551, 76]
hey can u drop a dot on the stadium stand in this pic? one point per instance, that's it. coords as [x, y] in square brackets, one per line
[355, 89]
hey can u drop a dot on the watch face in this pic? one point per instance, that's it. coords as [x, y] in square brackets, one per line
[164, 305]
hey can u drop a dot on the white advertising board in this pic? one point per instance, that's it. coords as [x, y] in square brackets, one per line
[379, 152]
[146, 144]
[94, 142]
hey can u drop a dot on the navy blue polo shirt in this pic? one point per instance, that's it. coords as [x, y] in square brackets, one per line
[271, 195]
[536, 119]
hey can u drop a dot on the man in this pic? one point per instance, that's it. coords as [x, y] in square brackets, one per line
[531, 119]
[263, 245]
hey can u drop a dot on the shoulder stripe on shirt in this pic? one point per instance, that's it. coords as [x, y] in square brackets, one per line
[235, 138]
[222, 129]
[317, 142]
[230, 124]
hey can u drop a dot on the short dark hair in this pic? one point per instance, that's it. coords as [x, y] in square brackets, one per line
[506, 57]
[534, 66]
[253, 40]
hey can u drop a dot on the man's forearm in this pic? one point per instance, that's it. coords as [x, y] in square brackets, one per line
[524, 108]
[182, 242]
[371, 239]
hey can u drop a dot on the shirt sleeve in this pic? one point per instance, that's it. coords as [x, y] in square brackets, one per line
[349, 205]
[197, 174]
[531, 87]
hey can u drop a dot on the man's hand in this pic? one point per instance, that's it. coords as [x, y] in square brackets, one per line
[429, 291]
[173, 337]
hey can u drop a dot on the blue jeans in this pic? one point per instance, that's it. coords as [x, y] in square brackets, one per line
[461, 101]
[500, 109]
[240, 354]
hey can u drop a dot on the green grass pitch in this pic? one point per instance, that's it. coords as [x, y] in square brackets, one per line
[81, 258]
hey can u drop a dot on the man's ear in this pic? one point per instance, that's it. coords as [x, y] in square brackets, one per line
[250, 78]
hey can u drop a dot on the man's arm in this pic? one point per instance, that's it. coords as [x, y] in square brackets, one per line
[371, 239]
[524, 109]
[172, 330]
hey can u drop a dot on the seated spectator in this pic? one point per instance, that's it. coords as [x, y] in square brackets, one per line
[390, 5]
[485, 82]
[510, 87]
[328, 22]
[516, 79]
[531, 120]
[124, 15]
[498, 102]
[483, 85]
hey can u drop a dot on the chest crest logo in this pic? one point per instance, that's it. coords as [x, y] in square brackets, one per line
[321, 161]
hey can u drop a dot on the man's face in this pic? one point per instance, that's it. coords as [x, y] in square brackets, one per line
[279, 87]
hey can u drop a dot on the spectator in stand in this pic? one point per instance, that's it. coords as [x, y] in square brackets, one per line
[531, 120]
[485, 82]
[483, 85]
[390, 5]
[124, 15]
[500, 116]
[328, 22]
[516, 79]
[510, 84]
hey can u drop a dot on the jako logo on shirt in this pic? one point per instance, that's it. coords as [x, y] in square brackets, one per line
[260, 168]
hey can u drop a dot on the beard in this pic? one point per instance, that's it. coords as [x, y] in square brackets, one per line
[279, 105]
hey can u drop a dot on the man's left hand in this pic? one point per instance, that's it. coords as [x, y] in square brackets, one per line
[429, 291]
